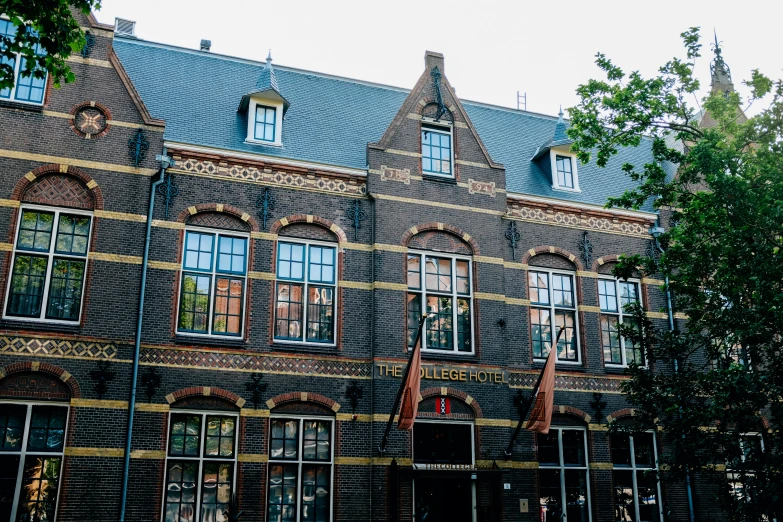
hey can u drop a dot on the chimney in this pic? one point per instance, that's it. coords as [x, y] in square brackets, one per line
[206, 45]
[123, 27]
[433, 59]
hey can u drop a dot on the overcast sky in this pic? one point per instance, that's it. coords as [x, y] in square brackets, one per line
[492, 48]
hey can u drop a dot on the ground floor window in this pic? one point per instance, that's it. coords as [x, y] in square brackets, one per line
[200, 467]
[300, 470]
[32, 438]
[563, 476]
[636, 490]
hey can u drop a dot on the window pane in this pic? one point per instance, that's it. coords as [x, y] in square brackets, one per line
[414, 315]
[610, 340]
[315, 493]
[65, 289]
[624, 510]
[539, 287]
[565, 178]
[282, 493]
[439, 328]
[438, 274]
[8, 30]
[463, 325]
[29, 88]
[435, 152]
[463, 277]
[321, 265]
[621, 449]
[38, 495]
[566, 347]
[414, 272]
[574, 448]
[647, 487]
[9, 467]
[72, 234]
[633, 353]
[562, 291]
[541, 332]
[181, 491]
[216, 491]
[288, 312]
[629, 293]
[548, 449]
[320, 314]
[227, 317]
[219, 437]
[549, 500]
[35, 230]
[12, 419]
[27, 286]
[284, 439]
[198, 251]
[316, 440]
[607, 296]
[185, 435]
[47, 428]
[231, 255]
[643, 450]
[290, 261]
[194, 303]
[576, 495]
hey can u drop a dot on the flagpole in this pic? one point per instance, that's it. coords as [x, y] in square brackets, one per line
[416, 345]
[530, 400]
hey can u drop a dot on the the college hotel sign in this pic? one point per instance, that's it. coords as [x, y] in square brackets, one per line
[444, 373]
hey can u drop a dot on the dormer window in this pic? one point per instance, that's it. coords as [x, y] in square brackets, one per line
[266, 122]
[436, 151]
[564, 171]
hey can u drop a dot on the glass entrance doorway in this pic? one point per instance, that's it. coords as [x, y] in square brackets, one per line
[441, 498]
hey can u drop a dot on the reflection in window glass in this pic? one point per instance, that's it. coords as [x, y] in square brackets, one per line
[552, 295]
[613, 296]
[636, 491]
[563, 475]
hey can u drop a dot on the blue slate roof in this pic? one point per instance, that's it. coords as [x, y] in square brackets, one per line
[331, 119]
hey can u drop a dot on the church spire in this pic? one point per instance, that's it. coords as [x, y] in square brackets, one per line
[721, 74]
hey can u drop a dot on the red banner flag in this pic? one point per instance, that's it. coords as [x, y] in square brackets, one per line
[409, 407]
[541, 417]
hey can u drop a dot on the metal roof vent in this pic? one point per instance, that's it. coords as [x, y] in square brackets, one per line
[124, 27]
[206, 45]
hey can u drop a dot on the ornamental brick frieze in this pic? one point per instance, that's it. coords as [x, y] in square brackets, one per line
[12, 345]
[568, 382]
[573, 218]
[254, 362]
[271, 176]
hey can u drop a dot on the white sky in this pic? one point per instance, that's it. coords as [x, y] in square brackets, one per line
[492, 48]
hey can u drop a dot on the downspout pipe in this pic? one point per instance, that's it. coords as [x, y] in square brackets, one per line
[656, 231]
[165, 163]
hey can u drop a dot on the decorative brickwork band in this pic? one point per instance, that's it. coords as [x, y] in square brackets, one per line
[552, 250]
[303, 397]
[313, 220]
[442, 391]
[42, 367]
[205, 391]
[61, 185]
[570, 410]
[461, 234]
[185, 215]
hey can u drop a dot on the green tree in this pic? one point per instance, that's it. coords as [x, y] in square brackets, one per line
[44, 33]
[714, 387]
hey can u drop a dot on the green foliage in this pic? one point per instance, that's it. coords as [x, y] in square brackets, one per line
[718, 376]
[48, 25]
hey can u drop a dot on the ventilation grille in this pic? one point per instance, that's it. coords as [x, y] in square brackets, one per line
[124, 27]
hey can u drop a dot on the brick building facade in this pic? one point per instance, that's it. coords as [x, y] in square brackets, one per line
[305, 224]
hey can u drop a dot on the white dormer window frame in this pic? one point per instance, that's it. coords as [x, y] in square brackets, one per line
[564, 153]
[251, 121]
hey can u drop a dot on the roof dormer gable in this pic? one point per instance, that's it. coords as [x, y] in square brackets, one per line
[265, 106]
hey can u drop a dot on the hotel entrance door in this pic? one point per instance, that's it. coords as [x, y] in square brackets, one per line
[443, 499]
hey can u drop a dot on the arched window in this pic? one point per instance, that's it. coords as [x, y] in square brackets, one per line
[613, 296]
[440, 268]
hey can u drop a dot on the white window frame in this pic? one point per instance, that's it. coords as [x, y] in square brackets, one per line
[201, 458]
[732, 475]
[50, 256]
[620, 314]
[24, 452]
[305, 282]
[563, 152]
[251, 121]
[634, 469]
[214, 274]
[431, 125]
[552, 309]
[422, 292]
[472, 425]
[17, 67]
[563, 467]
[300, 461]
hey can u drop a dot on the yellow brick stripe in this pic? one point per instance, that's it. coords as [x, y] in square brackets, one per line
[98, 165]
[465, 208]
[113, 123]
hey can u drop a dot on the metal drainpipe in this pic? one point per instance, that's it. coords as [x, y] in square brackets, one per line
[669, 309]
[139, 321]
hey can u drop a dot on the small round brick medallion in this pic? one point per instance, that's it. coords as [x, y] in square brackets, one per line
[90, 121]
